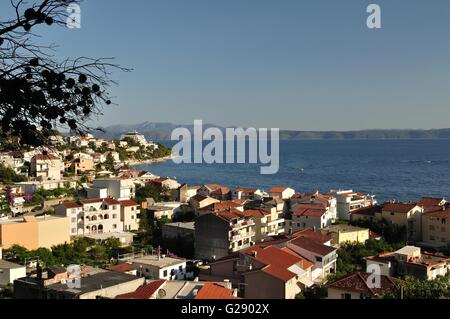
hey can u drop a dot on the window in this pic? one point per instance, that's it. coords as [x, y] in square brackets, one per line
[319, 259]
[132, 216]
[74, 230]
[114, 216]
[443, 229]
[165, 273]
[74, 220]
[114, 207]
[443, 221]
[431, 227]
[346, 296]
[392, 214]
[114, 226]
[180, 268]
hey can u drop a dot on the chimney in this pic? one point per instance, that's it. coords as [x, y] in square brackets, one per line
[255, 253]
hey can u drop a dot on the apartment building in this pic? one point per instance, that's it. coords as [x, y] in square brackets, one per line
[327, 201]
[408, 215]
[221, 233]
[34, 232]
[281, 192]
[409, 261]
[348, 201]
[268, 222]
[92, 216]
[247, 193]
[263, 272]
[112, 187]
[129, 214]
[46, 167]
[436, 228]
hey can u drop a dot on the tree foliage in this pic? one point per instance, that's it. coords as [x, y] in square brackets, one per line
[39, 93]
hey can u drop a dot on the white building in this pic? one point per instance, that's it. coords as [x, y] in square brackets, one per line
[10, 271]
[159, 267]
[349, 201]
[120, 189]
[138, 138]
[46, 167]
[92, 216]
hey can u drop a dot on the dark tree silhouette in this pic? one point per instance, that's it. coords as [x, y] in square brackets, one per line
[38, 93]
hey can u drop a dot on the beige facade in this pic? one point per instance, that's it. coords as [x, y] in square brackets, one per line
[46, 167]
[129, 212]
[436, 228]
[402, 214]
[341, 234]
[34, 232]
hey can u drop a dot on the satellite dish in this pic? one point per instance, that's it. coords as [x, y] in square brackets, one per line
[162, 293]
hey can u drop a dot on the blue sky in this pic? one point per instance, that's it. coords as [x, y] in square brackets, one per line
[292, 64]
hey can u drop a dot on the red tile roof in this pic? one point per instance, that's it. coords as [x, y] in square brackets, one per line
[369, 211]
[358, 282]
[214, 291]
[276, 260]
[256, 213]
[229, 215]
[246, 190]
[313, 235]
[443, 213]
[278, 189]
[313, 246]
[122, 268]
[71, 205]
[221, 206]
[221, 191]
[47, 157]
[401, 208]
[199, 198]
[430, 201]
[309, 212]
[143, 292]
[128, 203]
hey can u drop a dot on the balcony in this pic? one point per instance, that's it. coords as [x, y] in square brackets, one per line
[243, 224]
[243, 236]
[273, 222]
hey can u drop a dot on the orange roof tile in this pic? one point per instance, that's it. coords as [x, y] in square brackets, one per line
[214, 291]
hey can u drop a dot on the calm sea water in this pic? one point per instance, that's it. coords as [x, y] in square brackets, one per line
[391, 169]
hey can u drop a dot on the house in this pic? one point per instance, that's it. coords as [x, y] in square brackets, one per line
[268, 222]
[185, 192]
[165, 182]
[432, 202]
[112, 187]
[327, 201]
[358, 286]
[409, 261]
[348, 201]
[10, 271]
[408, 215]
[198, 202]
[160, 211]
[281, 192]
[129, 214]
[35, 232]
[46, 167]
[178, 230]
[322, 256]
[342, 234]
[436, 228]
[12, 160]
[94, 283]
[221, 233]
[263, 272]
[159, 266]
[91, 216]
[369, 213]
[307, 216]
[221, 193]
[124, 268]
[221, 206]
[82, 165]
[247, 193]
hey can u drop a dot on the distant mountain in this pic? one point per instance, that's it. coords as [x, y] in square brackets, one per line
[162, 131]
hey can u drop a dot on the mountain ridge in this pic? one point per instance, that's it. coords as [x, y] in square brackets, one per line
[162, 131]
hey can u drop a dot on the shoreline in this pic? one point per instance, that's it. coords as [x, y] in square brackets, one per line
[149, 161]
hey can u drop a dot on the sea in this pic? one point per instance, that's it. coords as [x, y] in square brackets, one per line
[403, 170]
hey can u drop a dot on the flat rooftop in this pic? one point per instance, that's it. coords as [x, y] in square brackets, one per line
[188, 225]
[29, 219]
[153, 260]
[94, 282]
[343, 228]
[9, 265]
[104, 236]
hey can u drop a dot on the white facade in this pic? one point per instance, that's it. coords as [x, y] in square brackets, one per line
[117, 188]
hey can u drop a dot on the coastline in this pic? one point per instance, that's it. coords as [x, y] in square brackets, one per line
[149, 161]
